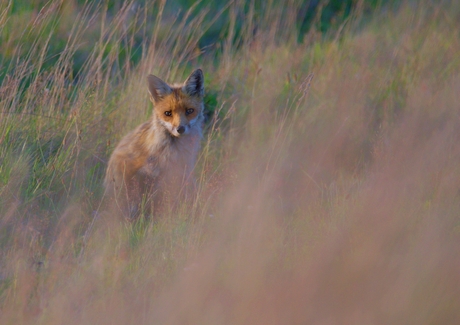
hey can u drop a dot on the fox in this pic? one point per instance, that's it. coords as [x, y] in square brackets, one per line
[151, 167]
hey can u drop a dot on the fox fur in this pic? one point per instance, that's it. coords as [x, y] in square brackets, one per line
[152, 165]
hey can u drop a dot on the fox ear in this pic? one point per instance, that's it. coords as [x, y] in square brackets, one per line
[194, 85]
[157, 88]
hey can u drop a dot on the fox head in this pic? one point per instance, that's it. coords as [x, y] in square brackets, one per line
[178, 107]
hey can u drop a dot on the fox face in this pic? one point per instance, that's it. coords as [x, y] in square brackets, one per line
[178, 108]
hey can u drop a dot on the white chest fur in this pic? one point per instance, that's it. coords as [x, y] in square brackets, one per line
[172, 161]
[177, 159]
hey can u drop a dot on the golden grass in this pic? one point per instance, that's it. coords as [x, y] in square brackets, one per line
[329, 183]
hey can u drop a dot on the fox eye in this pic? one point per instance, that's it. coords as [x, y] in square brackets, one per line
[189, 111]
[168, 113]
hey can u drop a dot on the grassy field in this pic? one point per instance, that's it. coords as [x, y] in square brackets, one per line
[328, 184]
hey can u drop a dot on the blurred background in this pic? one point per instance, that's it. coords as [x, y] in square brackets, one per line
[328, 182]
[140, 17]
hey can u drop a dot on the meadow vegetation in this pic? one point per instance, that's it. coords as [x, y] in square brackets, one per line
[328, 183]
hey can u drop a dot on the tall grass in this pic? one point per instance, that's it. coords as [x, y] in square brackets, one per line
[328, 184]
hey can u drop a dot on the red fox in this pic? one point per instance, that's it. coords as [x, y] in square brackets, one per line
[151, 165]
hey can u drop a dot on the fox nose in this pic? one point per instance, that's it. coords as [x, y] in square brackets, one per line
[181, 129]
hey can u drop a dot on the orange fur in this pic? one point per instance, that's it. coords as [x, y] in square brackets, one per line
[153, 163]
